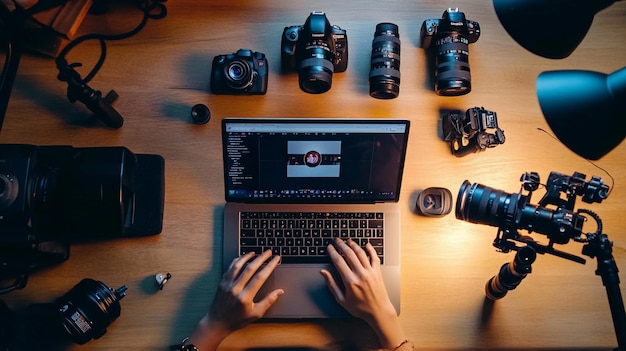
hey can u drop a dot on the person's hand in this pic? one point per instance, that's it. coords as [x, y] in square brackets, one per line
[364, 294]
[233, 306]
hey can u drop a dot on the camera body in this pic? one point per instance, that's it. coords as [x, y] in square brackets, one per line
[316, 50]
[53, 195]
[243, 72]
[450, 36]
[452, 21]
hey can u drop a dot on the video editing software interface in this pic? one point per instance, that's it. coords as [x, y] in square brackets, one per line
[291, 161]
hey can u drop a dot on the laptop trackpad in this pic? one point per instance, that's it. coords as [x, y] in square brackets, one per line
[306, 293]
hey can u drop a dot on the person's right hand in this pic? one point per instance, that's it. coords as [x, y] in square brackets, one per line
[364, 294]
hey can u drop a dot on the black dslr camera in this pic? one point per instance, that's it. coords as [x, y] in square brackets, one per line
[474, 130]
[244, 72]
[448, 39]
[53, 195]
[315, 50]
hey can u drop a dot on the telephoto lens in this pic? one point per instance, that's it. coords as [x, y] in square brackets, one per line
[88, 309]
[385, 64]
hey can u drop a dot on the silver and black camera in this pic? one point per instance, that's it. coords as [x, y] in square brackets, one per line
[316, 50]
[448, 39]
[244, 72]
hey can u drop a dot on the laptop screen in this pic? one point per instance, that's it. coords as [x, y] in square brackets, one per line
[313, 160]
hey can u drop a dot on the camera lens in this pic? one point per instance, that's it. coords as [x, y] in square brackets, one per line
[8, 190]
[316, 71]
[239, 75]
[88, 309]
[385, 63]
[452, 71]
[477, 203]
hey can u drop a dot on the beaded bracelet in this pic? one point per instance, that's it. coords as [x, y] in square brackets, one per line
[405, 345]
[183, 347]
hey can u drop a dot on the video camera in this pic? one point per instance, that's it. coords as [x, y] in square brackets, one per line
[53, 195]
[477, 203]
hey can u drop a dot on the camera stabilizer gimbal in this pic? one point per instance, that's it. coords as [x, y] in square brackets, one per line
[477, 203]
[473, 130]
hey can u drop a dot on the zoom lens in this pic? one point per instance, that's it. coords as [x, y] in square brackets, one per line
[385, 63]
[316, 70]
[239, 75]
[452, 71]
[477, 203]
[88, 309]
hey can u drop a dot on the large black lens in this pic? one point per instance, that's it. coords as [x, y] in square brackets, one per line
[452, 71]
[385, 64]
[239, 75]
[477, 203]
[88, 309]
[316, 70]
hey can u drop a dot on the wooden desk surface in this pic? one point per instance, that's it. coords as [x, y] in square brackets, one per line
[165, 69]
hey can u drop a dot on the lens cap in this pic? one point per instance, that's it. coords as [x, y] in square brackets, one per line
[200, 114]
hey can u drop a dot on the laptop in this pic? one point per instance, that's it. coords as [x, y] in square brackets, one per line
[293, 185]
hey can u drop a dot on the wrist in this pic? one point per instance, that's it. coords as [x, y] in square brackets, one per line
[388, 330]
[208, 334]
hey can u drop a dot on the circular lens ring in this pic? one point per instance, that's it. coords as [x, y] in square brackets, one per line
[239, 74]
[465, 192]
[315, 75]
[387, 28]
[9, 189]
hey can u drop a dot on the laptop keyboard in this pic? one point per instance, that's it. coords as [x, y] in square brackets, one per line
[302, 237]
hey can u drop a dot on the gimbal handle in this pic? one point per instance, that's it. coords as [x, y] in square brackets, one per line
[601, 248]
